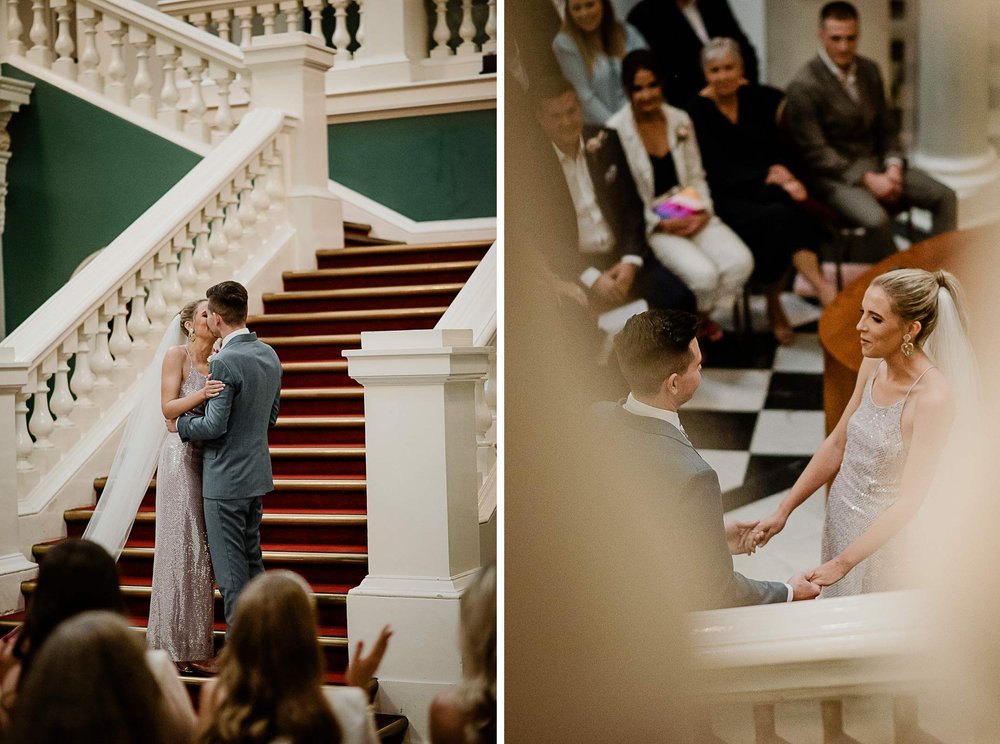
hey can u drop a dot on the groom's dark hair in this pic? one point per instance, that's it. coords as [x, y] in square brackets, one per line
[654, 345]
[228, 299]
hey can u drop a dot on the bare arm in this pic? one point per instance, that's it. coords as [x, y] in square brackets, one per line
[823, 465]
[932, 417]
[171, 374]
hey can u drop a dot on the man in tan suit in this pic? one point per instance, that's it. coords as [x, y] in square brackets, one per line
[839, 120]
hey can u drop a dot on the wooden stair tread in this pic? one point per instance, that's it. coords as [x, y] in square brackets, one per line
[318, 451]
[402, 248]
[418, 268]
[303, 556]
[338, 392]
[327, 366]
[319, 422]
[144, 590]
[333, 294]
[339, 339]
[360, 227]
[289, 484]
[407, 312]
[269, 517]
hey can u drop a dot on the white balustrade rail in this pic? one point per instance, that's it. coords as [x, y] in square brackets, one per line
[455, 29]
[107, 320]
[133, 55]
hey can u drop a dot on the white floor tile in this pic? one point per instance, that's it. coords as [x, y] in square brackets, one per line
[788, 433]
[804, 355]
[731, 390]
[729, 464]
[799, 311]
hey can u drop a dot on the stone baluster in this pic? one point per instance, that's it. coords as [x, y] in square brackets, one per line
[260, 198]
[267, 12]
[116, 88]
[172, 289]
[290, 9]
[40, 422]
[65, 65]
[62, 403]
[231, 226]
[169, 113]
[315, 8]
[138, 325]
[15, 47]
[39, 53]
[490, 45]
[341, 36]
[142, 84]
[195, 124]
[90, 59]
[442, 34]
[156, 305]
[202, 256]
[359, 35]
[466, 30]
[275, 183]
[199, 21]
[25, 446]
[223, 123]
[120, 343]
[82, 382]
[187, 275]
[217, 238]
[247, 215]
[245, 16]
[101, 362]
[222, 19]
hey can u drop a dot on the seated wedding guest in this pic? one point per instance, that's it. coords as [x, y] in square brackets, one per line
[91, 684]
[663, 155]
[841, 123]
[467, 714]
[590, 48]
[271, 682]
[677, 30]
[76, 576]
[613, 263]
[754, 191]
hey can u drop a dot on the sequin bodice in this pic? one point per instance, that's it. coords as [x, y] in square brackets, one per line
[193, 382]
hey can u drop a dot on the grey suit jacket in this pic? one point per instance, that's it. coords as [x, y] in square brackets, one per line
[688, 490]
[840, 139]
[237, 462]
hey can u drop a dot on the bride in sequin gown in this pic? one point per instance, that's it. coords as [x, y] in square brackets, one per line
[181, 608]
[917, 375]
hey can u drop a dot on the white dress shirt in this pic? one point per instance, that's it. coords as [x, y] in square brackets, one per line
[639, 408]
[233, 334]
[693, 16]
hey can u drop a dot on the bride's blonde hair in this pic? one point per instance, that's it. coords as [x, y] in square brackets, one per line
[187, 315]
[914, 294]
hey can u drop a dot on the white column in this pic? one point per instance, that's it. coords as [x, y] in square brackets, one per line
[395, 40]
[13, 94]
[423, 523]
[953, 106]
[287, 72]
[14, 567]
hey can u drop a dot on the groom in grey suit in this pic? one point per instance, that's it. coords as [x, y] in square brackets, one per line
[236, 469]
[838, 117]
[659, 357]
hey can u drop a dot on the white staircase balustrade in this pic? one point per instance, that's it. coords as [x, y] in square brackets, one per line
[101, 325]
[132, 55]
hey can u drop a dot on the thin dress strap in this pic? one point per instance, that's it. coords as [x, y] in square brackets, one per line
[933, 366]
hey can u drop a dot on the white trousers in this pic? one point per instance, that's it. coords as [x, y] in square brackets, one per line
[714, 263]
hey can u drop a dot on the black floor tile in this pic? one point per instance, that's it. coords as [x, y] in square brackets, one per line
[792, 391]
[738, 351]
[722, 430]
[766, 475]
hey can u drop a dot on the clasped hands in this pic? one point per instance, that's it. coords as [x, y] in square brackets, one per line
[746, 537]
[887, 187]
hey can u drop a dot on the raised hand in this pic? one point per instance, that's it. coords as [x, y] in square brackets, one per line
[362, 668]
[768, 528]
[740, 537]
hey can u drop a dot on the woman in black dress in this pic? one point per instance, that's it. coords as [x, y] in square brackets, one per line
[755, 192]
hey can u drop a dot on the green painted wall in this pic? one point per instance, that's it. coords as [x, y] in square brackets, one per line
[78, 176]
[437, 167]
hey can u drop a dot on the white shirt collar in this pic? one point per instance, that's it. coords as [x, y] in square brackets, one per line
[639, 408]
[836, 69]
[563, 157]
[237, 332]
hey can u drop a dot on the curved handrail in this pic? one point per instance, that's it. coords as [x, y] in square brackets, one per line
[475, 306]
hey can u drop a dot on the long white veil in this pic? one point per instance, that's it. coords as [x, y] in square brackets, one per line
[950, 348]
[136, 457]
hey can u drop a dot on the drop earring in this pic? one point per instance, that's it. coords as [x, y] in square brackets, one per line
[907, 346]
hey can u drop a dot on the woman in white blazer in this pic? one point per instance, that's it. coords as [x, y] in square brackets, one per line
[662, 152]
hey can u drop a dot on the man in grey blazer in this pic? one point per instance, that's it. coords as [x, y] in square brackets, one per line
[236, 469]
[660, 358]
[838, 118]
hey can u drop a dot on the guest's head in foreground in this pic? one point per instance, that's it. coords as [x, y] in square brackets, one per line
[90, 684]
[227, 307]
[659, 357]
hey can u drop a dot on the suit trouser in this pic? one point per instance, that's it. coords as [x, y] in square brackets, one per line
[233, 527]
[714, 263]
[859, 207]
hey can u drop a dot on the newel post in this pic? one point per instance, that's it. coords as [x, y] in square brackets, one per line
[423, 518]
[287, 72]
[14, 567]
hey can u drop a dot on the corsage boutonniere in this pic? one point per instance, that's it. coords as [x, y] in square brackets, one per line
[682, 132]
[596, 142]
[611, 174]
